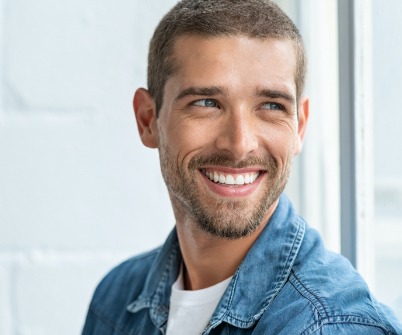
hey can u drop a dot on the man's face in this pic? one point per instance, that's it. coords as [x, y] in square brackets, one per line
[228, 130]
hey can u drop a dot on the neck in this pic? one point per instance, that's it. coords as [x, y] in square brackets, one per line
[207, 259]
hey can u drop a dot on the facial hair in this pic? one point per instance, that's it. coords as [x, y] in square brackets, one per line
[220, 217]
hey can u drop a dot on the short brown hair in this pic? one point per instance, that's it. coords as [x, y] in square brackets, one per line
[214, 18]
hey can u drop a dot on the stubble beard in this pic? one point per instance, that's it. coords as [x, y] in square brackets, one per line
[224, 218]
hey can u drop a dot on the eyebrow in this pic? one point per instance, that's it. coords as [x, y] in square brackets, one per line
[215, 90]
[274, 94]
[205, 91]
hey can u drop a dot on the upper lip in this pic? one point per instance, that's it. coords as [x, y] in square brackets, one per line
[231, 170]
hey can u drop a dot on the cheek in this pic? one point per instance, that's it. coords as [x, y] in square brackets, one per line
[191, 136]
[279, 141]
[183, 145]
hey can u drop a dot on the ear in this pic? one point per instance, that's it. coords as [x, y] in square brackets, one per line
[303, 112]
[145, 114]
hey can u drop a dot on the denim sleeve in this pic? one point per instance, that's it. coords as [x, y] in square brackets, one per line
[349, 329]
[96, 325]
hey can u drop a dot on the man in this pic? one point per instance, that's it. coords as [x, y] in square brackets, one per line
[225, 108]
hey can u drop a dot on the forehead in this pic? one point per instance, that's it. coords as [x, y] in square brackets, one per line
[234, 60]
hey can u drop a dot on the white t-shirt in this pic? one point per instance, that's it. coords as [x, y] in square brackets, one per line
[190, 311]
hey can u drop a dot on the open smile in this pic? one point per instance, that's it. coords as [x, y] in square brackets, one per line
[220, 177]
[228, 182]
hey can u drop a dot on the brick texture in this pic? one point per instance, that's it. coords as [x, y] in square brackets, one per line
[6, 307]
[78, 191]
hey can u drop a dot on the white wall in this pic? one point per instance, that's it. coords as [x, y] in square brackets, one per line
[78, 191]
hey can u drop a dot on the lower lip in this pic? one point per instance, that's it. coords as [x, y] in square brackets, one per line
[233, 190]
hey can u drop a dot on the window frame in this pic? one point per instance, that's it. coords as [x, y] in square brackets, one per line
[356, 133]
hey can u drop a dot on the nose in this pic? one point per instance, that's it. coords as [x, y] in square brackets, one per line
[237, 135]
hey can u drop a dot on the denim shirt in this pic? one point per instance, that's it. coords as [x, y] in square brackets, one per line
[288, 284]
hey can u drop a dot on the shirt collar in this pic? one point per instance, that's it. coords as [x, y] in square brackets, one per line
[264, 270]
[255, 284]
[163, 273]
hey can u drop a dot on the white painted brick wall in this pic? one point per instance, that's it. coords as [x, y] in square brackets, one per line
[5, 299]
[78, 192]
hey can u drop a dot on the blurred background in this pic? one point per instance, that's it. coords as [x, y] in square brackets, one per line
[79, 193]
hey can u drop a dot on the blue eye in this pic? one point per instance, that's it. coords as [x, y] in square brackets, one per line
[205, 103]
[273, 106]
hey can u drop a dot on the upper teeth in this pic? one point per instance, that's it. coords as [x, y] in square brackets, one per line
[228, 179]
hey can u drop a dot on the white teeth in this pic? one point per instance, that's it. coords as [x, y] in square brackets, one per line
[230, 179]
[247, 179]
[240, 180]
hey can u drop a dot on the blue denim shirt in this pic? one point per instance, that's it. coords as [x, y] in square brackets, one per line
[288, 284]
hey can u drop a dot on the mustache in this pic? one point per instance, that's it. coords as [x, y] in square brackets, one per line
[225, 160]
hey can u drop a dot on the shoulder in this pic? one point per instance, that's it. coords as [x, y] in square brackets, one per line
[348, 326]
[337, 297]
[123, 283]
[107, 312]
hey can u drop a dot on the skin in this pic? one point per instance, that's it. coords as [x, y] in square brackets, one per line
[231, 108]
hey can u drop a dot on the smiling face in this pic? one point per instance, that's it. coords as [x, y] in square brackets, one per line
[227, 130]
